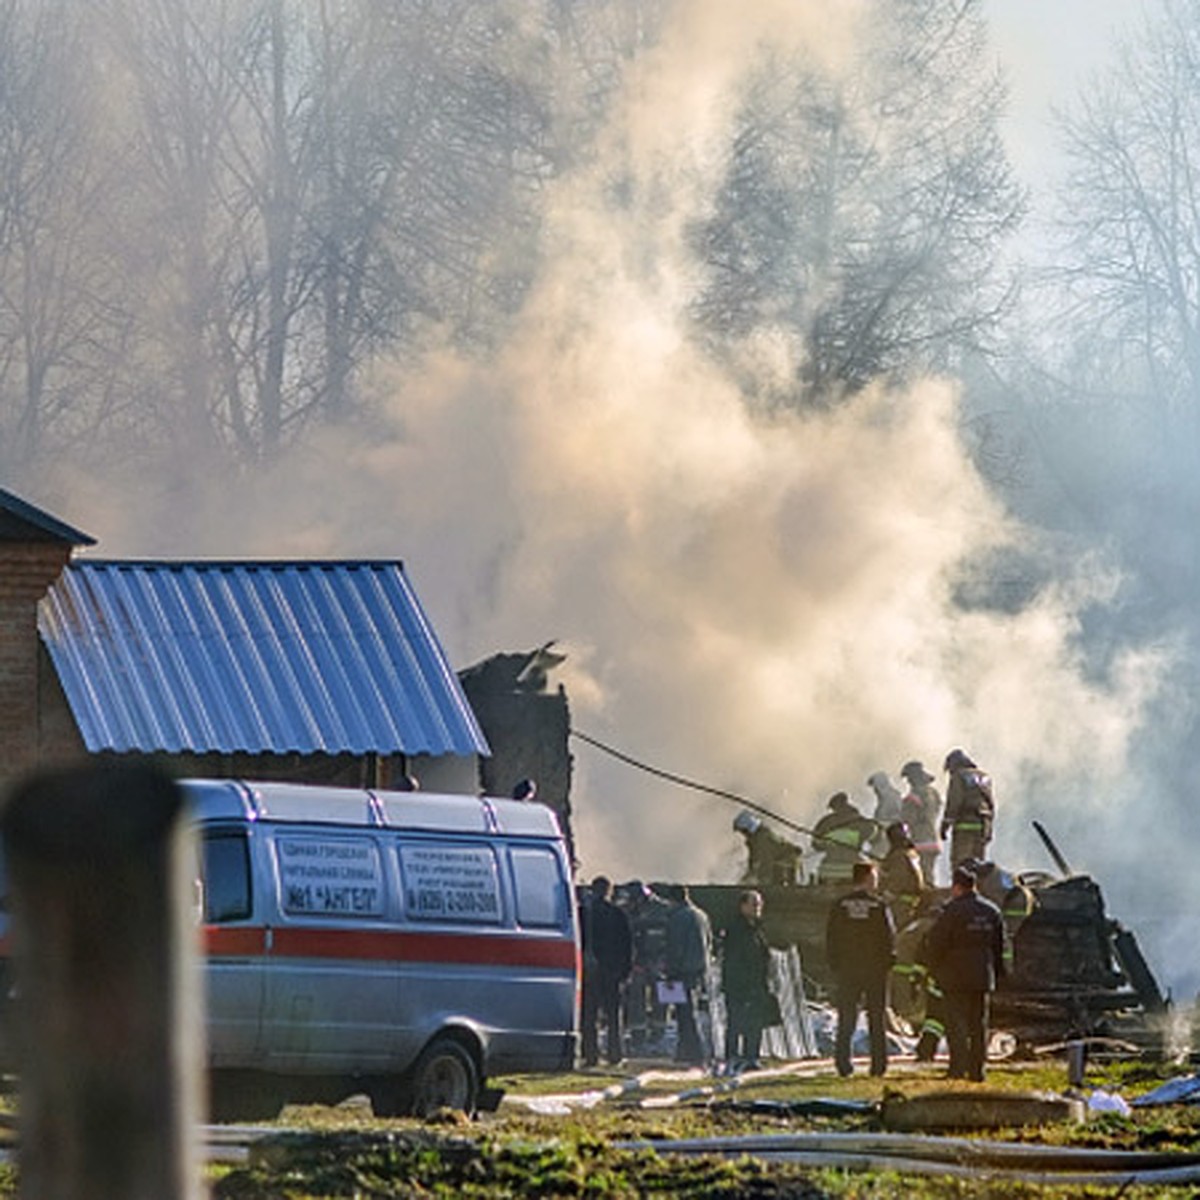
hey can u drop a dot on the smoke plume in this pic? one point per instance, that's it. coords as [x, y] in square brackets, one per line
[767, 604]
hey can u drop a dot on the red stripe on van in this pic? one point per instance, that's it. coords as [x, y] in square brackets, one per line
[235, 940]
[391, 946]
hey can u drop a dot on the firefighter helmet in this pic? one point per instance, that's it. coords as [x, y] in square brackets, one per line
[746, 822]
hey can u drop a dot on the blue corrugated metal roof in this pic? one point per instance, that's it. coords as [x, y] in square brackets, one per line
[253, 657]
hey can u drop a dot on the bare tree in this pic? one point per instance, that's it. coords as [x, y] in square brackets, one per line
[1114, 395]
[61, 321]
[1131, 205]
[863, 213]
[313, 180]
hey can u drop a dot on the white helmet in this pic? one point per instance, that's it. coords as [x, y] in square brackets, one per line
[746, 822]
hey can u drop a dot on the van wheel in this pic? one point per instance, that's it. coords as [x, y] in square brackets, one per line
[443, 1077]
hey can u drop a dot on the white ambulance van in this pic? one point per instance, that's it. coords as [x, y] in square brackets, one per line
[407, 945]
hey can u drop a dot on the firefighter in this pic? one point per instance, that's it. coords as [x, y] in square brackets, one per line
[860, 941]
[900, 878]
[842, 834]
[970, 809]
[921, 811]
[887, 804]
[915, 994]
[771, 859]
[1013, 898]
[965, 952]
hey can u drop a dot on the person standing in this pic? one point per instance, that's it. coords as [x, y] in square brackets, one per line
[970, 809]
[645, 1016]
[842, 835]
[689, 952]
[745, 967]
[964, 950]
[921, 811]
[900, 878]
[860, 942]
[607, 962]
[887, 808]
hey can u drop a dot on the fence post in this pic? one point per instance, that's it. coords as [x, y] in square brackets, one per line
[101, 870]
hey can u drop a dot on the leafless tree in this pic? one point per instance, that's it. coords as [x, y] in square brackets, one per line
[1131, 205]
[61, 321]
[863, 212]
[1114, 396]
[311, 181]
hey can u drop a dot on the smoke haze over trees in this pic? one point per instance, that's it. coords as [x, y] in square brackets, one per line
[276, 194]
[862, 214]
[692, 334]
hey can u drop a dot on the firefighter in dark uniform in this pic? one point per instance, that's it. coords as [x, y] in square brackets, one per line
[970, 809]
[965, 952]
[860, 942]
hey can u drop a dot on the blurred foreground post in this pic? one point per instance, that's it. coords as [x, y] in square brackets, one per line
[101, 872]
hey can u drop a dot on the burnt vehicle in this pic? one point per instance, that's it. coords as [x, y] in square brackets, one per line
[1073, 970]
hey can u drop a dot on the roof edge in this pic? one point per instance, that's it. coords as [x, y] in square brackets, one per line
[58, 531]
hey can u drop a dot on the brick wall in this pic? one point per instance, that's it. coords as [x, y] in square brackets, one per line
[59, 740]
[27, 569]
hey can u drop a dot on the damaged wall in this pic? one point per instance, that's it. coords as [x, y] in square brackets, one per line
[527, 727]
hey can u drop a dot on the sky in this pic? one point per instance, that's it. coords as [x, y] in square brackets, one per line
[1047, 49]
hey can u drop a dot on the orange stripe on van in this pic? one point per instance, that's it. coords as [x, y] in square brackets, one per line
[392, 946]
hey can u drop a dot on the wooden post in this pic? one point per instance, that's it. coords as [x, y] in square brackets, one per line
[109, 1004]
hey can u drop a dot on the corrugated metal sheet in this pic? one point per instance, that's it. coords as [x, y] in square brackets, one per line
[266, 657]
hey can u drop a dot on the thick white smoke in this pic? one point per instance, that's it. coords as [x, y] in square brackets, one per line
[764, 604]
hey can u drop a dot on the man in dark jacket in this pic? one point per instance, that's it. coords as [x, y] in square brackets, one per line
[860, 943]
[689, 953]
[745, 974]
[965, 951]
[607, 961]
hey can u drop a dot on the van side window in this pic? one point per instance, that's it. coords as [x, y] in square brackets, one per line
[539, 887]
[444, 881]
[226, 876]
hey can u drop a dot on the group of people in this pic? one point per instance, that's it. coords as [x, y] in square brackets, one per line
[608, 942]
[963, 951]
[888, 861]
[845, 834]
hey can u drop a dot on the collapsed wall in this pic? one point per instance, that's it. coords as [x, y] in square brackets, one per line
[527, 727]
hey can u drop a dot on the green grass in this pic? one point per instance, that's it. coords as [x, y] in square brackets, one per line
[516, 1153]
[347, 1152]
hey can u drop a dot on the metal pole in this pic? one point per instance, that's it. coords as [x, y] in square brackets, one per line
[1047, 841]
[109, 1003]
